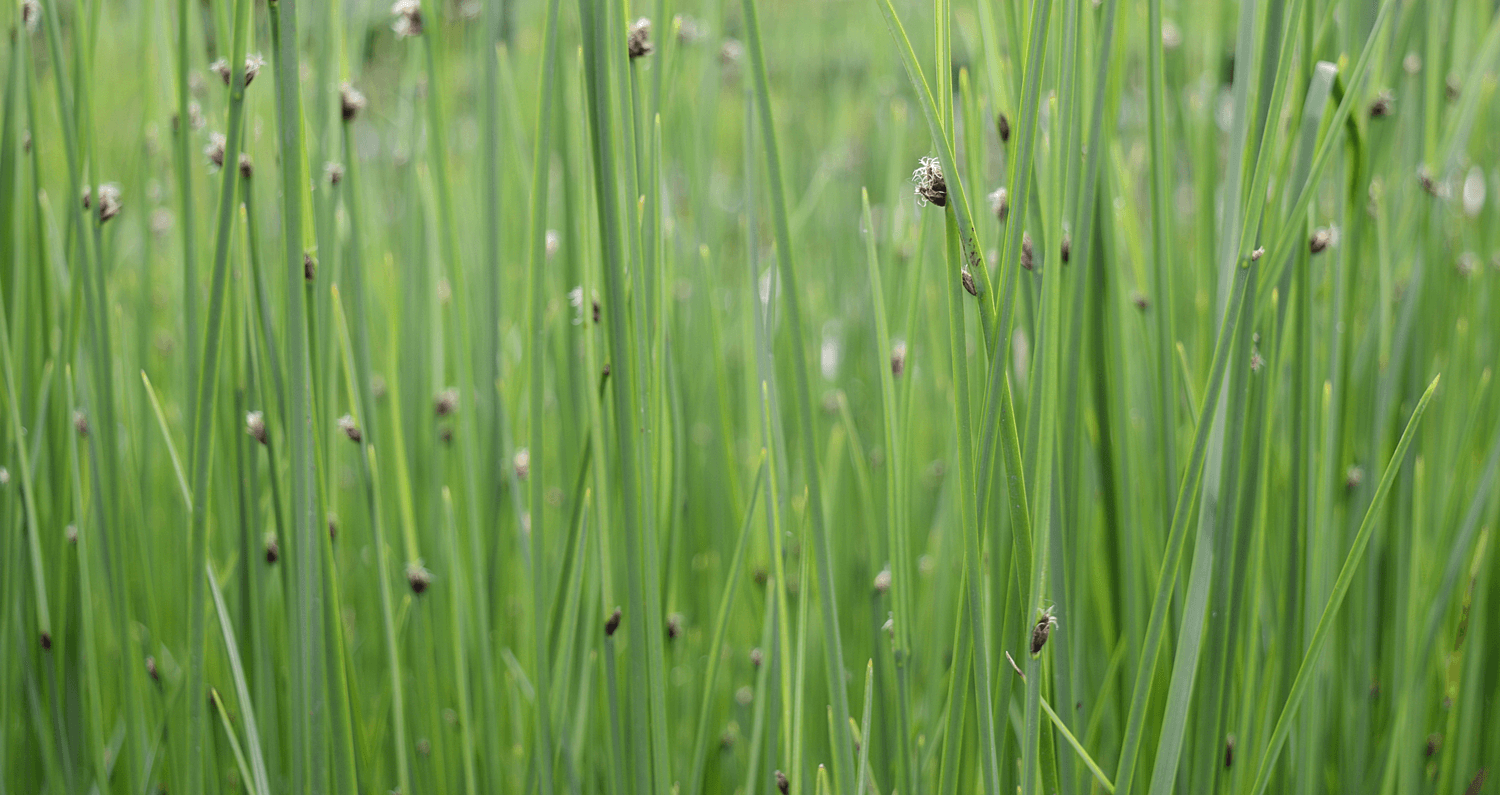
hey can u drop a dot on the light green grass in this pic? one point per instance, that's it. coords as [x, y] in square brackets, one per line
[669, 332]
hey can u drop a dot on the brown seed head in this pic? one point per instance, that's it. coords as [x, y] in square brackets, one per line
[674, 626]
[930, 185]
[1139, 300]
[31, 14]
[1256, 254]
[446, 402]
[71, 534]
[1453, 87]
[253, 63]
[81, 423]
[782, 784]
[883, 581]
[612, 624]
[1382, 105]
[1067, 248]
[333, 526]
[46, 640]
[350, 428]
[418, 577]
[1002, 127]
[522, 463]
[1028, 254]
[1353, 476]
[247, 169]
[214, 152]
[408, 20]
[333, 172]
[638, 39]
[969, 285]
[898, 358]
[151, 669]
[109, 202]
[1042, 630]
[1424, 177]
[255, 425]
[309, 267]
[1320, 240]
[1000, 203]
[273, 549]
[757, 657]
[1434, 744]
[1229, 751]
[731, 52]
[351, 101]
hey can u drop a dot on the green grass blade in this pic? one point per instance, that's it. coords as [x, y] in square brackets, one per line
[1340, 590]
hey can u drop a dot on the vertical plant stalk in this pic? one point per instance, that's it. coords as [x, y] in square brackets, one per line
[201, 453]
[843, 755]
[1340, 590]
[1161, 247]
[645, 700]
[536, 391]
[183, 154]
[895, 491]
[303, 557]
[968, 501]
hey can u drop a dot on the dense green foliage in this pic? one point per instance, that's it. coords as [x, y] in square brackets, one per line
[484, 396]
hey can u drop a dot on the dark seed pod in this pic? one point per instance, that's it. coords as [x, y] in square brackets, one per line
[81, 423]
[255, 425]
[1229, 751]
[674, 626]
[1434, 744]
[1067, 247]
[351, 102]
[1381, 107]
[1002, 127]
[613, 623]
[350, 428]
[1140, 301]
[1424, 177]
[151, 669]
[309, 266]
[446, 402]
[596, 311]
[446, 435]
[638, 40]
[969, 285]
[419, 578]
[782, 784]
[931, 187]
[1320, 240]
[333, 526]
[757, 658]
[1042, 630]
[247, 168]
[46, 640]
[1028, 254]
[898, 359]
[273, 550]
